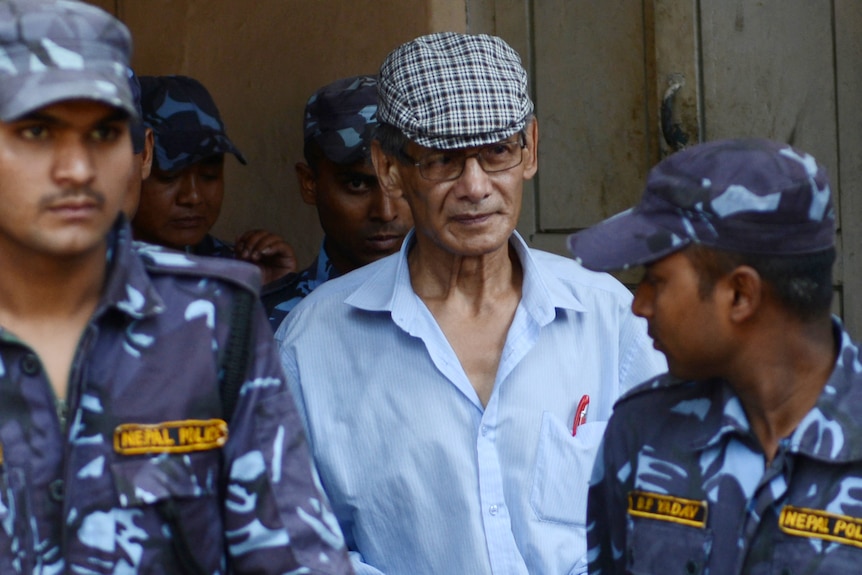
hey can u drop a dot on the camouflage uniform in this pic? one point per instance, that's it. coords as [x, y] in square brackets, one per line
[281, 296]
[682, 465]
[144, 427]
[138, 471]
[681, 483]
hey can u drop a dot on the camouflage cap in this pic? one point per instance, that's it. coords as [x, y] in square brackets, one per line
[748, 196]
[340, 118]
[137, 128]
[185, 121]
[450, 90]
[56, 50]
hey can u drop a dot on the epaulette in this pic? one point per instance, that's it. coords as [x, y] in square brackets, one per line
[160, 260]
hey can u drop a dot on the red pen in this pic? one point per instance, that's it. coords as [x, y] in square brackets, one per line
[581, 413]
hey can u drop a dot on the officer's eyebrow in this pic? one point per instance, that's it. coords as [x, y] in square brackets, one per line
[43, 117]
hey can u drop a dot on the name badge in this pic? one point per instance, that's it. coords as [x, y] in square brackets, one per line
[821, 524]
[183, 436]
[691, 512]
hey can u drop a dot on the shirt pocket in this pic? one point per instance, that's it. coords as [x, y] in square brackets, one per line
[654, 546]
[563, 467]
[146, 481]
[813, 556]
[175, 492]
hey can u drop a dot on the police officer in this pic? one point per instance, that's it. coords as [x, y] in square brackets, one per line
[361, 222]
[746, 457]
[181, 199]
[134, 438]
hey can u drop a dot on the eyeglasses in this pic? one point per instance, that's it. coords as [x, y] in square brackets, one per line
[448, 165]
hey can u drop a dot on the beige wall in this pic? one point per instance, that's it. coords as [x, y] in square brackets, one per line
[261, 60]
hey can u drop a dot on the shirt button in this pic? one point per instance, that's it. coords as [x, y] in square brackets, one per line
[493, 510]
[30, 364]
[57, 489]
[484, 430]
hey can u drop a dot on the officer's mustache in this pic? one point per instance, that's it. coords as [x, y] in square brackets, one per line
[73, 194]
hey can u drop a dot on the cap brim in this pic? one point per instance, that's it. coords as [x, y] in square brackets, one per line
[625, 240]
[190, 140]
[52, 86]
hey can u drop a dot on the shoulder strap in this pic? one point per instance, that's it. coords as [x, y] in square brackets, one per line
[235, 358]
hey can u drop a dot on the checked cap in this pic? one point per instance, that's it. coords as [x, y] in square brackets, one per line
[450, 90]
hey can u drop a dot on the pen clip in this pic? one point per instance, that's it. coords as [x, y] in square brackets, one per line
[581, 413]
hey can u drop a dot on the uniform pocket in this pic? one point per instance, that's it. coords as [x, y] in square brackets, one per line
[145, 481]
[664, 547]
[173, 499]
[563, 468]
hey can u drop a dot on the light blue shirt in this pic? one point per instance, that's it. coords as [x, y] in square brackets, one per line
[422, 478]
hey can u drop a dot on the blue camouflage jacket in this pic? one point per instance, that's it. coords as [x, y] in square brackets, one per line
[84, 489]
[282, 295]
[681, 483]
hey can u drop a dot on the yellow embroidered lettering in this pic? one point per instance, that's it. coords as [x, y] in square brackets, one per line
[668, 508]
[170, 437]
[816, 523]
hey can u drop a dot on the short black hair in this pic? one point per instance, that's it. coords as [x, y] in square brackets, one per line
[802, 284]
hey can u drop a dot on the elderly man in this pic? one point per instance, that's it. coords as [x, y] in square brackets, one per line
[445, 388]
[137, 433]
[745, 457]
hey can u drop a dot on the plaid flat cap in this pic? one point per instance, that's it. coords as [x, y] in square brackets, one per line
[340, 118]
[450, 90]
[185, 121]
[56, 50]
[748, 196]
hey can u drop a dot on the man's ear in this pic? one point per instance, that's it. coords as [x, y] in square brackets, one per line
[386, 168]
[147, 154]
[745, 293]
[307, 183]
[531, 152]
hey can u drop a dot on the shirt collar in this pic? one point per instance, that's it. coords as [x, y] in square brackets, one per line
[542, 292]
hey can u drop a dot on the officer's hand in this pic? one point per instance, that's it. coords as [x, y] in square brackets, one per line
[270, 252]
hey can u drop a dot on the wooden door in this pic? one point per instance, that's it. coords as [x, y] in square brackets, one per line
[601, 71]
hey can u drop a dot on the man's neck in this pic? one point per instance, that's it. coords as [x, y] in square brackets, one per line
[48, 302]
[439, 275]
[34, 286]
[787, 372]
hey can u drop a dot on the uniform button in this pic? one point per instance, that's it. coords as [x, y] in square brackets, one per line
[30, 364]
[493, 510]
[57, 489]
[691, 567]
[787, 571]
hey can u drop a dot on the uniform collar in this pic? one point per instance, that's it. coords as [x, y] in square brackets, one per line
[831, 431]
[128, 287]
